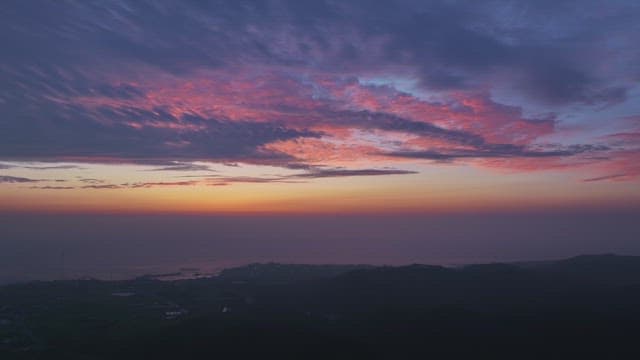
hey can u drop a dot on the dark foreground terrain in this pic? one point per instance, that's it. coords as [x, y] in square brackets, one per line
[583, 307]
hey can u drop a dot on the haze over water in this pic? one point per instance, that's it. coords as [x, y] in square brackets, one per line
[120, 247]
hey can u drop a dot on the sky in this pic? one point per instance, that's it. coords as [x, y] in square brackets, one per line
[318, 106]
[138, 135]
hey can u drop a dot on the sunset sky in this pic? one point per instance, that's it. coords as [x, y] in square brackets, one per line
[319, 106]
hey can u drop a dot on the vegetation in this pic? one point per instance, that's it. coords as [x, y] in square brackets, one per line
[576, 308]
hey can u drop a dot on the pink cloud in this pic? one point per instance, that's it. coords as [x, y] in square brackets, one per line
[350, 115]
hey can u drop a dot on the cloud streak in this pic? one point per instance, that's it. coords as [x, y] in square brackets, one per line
[499, 151]
[606, 177]
[15, 179]
[328, 173]
[177, 166]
